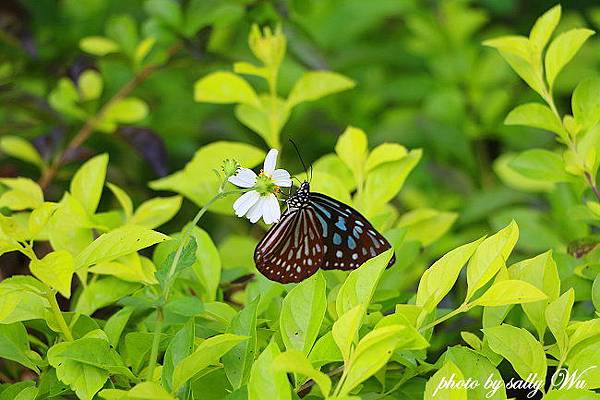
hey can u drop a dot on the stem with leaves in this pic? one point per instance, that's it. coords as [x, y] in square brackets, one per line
[187, 233]
[88, 128]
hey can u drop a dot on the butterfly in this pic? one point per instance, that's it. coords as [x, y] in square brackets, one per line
[315, 232]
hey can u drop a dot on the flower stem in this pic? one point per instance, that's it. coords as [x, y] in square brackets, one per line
[60, 320]
[165, 295]
[155, 343]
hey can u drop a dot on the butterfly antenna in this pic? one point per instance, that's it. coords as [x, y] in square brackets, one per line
[300, 157]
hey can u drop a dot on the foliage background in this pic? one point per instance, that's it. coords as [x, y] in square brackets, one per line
[423, 79]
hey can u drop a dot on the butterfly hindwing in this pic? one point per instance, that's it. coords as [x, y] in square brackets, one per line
[348, 237]
[292, 250]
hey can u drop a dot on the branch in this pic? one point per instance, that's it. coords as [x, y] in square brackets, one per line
[88, 128]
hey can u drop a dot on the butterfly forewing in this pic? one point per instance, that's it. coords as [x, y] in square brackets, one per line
[292, 250]
[348, 237]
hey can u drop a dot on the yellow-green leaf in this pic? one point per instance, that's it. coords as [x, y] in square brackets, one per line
[510, 292]
[155, 212]
[23, 194]
[88, 181]
[98, 45]
[56, 270]
[296, 362]
[90, 85]
[562, 50]
[544, 26]
[437, 387]
[20, 148]
[316, 84]
[351, 148]
[538, 116]
[225, 87]
[489, 257]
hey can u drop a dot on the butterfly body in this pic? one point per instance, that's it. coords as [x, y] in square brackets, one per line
[315, 232]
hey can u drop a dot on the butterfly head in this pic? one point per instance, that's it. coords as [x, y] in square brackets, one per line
[300, 197]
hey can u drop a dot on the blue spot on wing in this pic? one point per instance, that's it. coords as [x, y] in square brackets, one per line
[341, 223]
[337, 239]
[351, 243]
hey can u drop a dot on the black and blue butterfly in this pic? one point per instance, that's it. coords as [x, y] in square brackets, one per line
[315, 232]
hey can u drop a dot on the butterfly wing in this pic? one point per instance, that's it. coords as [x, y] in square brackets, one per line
[348, 237]
[292, 250]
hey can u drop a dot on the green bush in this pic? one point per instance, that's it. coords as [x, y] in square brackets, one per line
[492, 208]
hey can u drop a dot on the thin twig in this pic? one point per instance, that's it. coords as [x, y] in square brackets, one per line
[592, 184]
[88, 128]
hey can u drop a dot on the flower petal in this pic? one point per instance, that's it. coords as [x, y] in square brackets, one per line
[243, 204]
[256, 211]
[245, 178]
[270, 162]
[271, 210]
[281, 178]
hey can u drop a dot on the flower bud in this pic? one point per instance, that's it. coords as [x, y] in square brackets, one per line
[267, 46]
[230, 167]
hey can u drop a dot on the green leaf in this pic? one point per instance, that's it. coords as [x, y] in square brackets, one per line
[98, 45]
[426, 225]
[155, 212]
[510, 292]
[302, 313]
[116, 324]
[409, 338]
[123, 199]
[167, 11]
[558, 314]
[22, 298]
[88, 181]
[360, 285]
[437, 387]
[141, 391]
[562, 49]
[90, 85]
[536, 115]
[386, 180]
[103, 292]
[438, 279]
[265, 382]
[520, 348]
[39, 218]
[117, 243]
[540, 271]
[489, 257]
[325, 351]
[123, 30]
[583, 330]
[56, 270]
[384, 153]
[477, 367]
[20, 148]
[187, 258]
[238, 361]
[23, 194]
[197, 180]
[316, 84]
[544, 26]
[345, 329]
[85, 364]
[207, 353]
[518, 51]
[540, 164]
[296, 362]
[127, 111]
[208, 264]
[225, 87]
[351, 148]
[180, 347]
[14, 345]
[583, 360]
[596, 293]
[267, 119]
[585, 103]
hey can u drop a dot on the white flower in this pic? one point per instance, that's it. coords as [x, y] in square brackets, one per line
[261, 201]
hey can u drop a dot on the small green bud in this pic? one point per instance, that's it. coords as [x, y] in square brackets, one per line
[230, 167]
